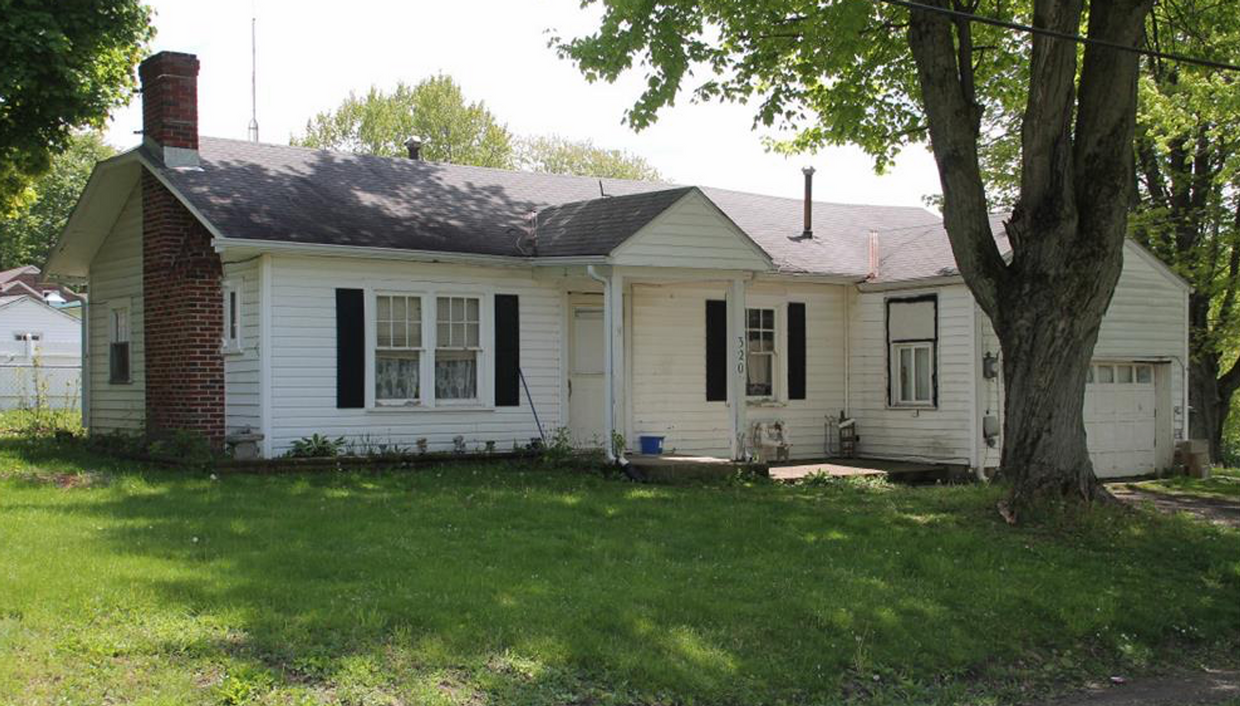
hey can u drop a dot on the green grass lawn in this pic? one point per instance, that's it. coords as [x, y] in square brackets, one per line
[1223, 483]
[512, 585]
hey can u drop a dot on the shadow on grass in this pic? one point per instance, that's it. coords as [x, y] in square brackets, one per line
[522, 585]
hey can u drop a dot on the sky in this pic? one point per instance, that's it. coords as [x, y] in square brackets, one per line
[312, 53]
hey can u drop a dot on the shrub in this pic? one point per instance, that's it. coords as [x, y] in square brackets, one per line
[316, 446]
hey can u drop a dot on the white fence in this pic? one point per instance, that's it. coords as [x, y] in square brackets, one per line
[25, 385]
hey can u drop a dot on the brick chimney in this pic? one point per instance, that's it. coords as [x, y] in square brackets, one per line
[183, 316]
[170, 107]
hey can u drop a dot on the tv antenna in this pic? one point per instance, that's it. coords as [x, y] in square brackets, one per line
[253, 73]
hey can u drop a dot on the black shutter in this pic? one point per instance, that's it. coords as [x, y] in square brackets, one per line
[796, 351]
[350, 348]
[507, 351]
[716, 351]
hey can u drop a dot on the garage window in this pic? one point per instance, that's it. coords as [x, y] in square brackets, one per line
[1116, 374]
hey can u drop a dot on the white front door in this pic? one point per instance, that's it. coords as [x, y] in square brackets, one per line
[585, 375]
[1120, 419]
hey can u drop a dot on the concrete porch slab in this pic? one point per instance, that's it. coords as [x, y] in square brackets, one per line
[849, 468]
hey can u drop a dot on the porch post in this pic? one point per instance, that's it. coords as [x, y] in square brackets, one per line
[619, 381]
[736, 367]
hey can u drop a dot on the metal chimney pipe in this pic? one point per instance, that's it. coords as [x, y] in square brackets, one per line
[414, 146]
[809, 202]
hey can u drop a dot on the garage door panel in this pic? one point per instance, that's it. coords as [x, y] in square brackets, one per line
[1120, 419]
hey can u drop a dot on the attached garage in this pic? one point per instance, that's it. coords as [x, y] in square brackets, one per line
[1121, 411]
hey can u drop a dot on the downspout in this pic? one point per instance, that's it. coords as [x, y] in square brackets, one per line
[609, 412]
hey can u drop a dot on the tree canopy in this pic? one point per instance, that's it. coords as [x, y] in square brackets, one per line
[28, 233]
[435, 110]
[1188, 205]
[558, 155]
[63, 66]
[457, 131]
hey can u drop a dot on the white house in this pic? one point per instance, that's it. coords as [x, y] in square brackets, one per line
[40, 353]
[291, 291]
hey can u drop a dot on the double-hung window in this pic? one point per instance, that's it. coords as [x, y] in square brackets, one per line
[914, 364]
[398, 350]
[760, 352]
[458, 336]
[912, 345]
[118, 344]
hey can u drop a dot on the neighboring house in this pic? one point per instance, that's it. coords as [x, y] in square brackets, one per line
[40, 352]
[29, 281]
[290, 291]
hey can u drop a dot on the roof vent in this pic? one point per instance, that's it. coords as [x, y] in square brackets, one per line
[808, 232]
[414, 146]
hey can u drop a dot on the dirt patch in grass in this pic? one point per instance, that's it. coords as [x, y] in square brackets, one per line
[1216, 510]
[1207, 686]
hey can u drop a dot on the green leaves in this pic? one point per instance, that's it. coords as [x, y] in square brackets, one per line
[31, 229]
[62, 67]
[456, 131]
[558, 155]
[435, 110]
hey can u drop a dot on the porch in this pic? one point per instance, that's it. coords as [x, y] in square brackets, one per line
[676, 468]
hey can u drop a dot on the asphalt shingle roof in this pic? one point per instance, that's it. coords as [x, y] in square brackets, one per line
[299, 195]
[600, 224]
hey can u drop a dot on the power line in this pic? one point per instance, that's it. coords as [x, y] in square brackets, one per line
[1062, 35]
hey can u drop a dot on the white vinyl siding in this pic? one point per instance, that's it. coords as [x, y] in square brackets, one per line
[59, 334]
[667, 357]
[242, 407]
[116, 280]
[304, 353]
[692, 233]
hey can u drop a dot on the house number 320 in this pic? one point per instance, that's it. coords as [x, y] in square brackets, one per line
[740, 354]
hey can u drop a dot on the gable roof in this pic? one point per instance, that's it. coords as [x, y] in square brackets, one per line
[600, 224]
[261, 192]
[9, 274]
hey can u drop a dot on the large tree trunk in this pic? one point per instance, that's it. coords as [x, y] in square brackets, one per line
[1067, 232]
[1048, 338]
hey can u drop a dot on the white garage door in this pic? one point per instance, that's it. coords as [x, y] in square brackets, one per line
[1119, 419]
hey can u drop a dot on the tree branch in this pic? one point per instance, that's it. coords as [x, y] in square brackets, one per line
[953, 118]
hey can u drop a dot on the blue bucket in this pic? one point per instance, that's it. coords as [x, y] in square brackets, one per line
[651, 445]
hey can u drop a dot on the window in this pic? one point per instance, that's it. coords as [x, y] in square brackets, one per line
[1106, 374]
[458, 334]
[760, 352]
[1145, 374]
[398, 349]
[912, 342]
[914, 373]
[232, 319]
[27, 336]
[118, 345]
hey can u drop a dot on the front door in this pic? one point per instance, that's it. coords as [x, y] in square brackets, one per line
[585, 373]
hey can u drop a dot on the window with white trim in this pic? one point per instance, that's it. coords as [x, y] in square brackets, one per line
[760, 352]
[458, 343]
[118, 345]
[398, 349]
[232, 318]
[27, 336]
[914, 373]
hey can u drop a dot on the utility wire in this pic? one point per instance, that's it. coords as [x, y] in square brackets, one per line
[1062, 35]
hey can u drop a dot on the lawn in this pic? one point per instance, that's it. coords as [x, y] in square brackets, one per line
[519, 585]
[1223, 483]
